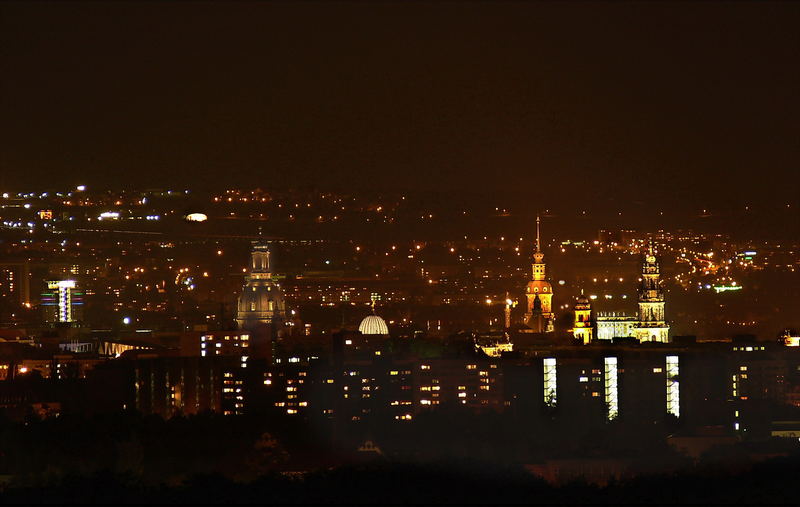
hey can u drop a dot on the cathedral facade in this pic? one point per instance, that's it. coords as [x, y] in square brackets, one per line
[649, 324]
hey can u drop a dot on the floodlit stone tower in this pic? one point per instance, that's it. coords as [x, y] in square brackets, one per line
[539, 293]
[651, 325]
[583, 327]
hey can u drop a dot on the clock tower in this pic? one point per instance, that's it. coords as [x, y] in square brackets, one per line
[539, 293]
[651, 325]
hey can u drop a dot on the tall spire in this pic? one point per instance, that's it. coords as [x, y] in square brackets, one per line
[538, 242]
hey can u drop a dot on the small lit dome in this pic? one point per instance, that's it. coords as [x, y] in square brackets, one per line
[583, 303]
[372, 324]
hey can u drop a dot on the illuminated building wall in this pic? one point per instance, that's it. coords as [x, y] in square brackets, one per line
[673, 386]
[290, 389]
[387, 390]
[550, 386]
[107, 348]
[170, 386]
[15, 282]
[476, 384]
[611, 386]
[226, 343]
[613, 325]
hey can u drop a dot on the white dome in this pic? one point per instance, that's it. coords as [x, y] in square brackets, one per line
[372, 324]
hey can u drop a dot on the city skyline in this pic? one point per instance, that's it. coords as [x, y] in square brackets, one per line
[347, 252]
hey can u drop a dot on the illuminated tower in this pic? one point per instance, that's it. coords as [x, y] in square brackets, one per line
[539, 289]
[63, 303]
[651, 325]
[583, 329]
[261, 300]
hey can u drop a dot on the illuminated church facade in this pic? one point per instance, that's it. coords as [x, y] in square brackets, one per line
[648, 325]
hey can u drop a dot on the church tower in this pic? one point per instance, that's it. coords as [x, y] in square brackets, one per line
[651, 325]
[583, 327]
[539, 293]
[261, 301]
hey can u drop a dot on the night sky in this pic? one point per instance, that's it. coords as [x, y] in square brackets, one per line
[676, 102]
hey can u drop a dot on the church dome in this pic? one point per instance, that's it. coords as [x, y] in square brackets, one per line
[582, 303]
[372, 324]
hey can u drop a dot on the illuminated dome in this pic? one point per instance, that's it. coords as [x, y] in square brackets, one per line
[583, 303]
[372, 324]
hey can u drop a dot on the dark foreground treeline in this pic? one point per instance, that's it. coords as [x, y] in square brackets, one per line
[446, 456]
[770, 482]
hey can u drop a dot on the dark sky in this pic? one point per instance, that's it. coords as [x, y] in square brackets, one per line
[678, 101]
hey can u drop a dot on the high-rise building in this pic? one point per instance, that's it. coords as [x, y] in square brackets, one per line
[261, 304]
[62, 303]
[652, 325]
[539, 316]
[15, 282]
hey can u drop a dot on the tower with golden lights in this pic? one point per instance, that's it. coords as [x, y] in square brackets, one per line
[583, 328]
[651, 325]
[539, 293]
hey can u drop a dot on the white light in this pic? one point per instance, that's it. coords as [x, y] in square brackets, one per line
[126, 320]
[550, 375]
[196, 217]
[61, 284]
[80, 188]
[673, 389]
[611, 387]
